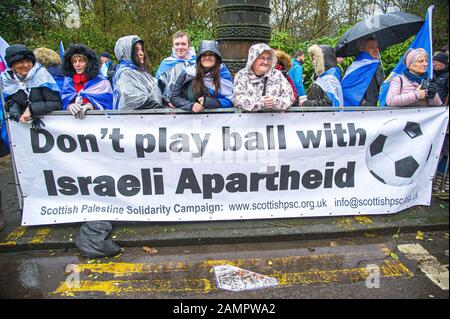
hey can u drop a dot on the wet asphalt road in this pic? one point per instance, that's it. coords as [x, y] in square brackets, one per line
[320, 269]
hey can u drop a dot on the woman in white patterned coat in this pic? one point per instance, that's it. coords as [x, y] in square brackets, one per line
[259, 86]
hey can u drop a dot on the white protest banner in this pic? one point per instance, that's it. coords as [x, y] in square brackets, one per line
[188, 167]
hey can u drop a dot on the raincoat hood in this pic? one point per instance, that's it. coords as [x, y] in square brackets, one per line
[325, 58]
[255, 50]
[47, 57]
[92, 67]
[284, 59]
[209, 45]
[124, 47]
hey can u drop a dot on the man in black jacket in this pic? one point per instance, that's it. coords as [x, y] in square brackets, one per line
[440, 68]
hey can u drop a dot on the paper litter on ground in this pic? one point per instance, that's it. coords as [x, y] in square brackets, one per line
[237, 279]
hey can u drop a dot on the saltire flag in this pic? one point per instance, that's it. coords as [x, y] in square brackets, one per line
[3, 67]
[330, 82]
[424, 40]
[61, 50]
[3, 46]
[357, 78]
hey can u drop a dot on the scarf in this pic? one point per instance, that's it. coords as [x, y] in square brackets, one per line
[415, 78]
[226, 85]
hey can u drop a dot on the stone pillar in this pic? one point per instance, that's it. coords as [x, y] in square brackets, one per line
[240, 25]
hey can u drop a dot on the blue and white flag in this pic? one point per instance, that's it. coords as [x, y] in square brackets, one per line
[3, 131]
[330, 82]
[61, 50]
[226, 85]
[98, 91]
[104, 68]
[424, 40]
[3, 46]
[171, 61]
[357, 78]
[3, 67]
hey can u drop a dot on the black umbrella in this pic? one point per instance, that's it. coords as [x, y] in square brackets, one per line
[388, 29]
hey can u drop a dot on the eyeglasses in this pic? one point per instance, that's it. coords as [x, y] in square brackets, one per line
[268, 59]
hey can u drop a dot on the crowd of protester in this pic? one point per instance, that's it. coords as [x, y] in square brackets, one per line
[40, 82]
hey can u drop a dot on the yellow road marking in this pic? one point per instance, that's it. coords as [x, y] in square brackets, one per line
[14, 236]
[40, 235]
[389, 268]
[135, 286]
[122, 269]
[204, 285]
[363, 220]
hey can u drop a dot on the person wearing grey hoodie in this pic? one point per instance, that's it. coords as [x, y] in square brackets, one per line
[134, 88]
[259, 86]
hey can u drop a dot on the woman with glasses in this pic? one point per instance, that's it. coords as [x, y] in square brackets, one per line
[259, 86]
[207, 85]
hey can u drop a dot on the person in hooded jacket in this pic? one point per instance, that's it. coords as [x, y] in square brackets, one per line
[84, 87]
[284, 64]
[408, 88]
[134, 87]
[259, 86]
[326, 89]
[29, 90]
[50, 60]
[440, 70]
[207, 85]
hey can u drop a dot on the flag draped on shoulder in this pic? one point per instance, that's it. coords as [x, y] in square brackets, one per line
[330, 82]
[422, 40]
[37, 77]
[171, 61]
[97, 90]
[226, 85]
[358, 77]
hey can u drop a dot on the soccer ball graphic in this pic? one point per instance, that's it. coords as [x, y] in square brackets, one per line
[398, 153]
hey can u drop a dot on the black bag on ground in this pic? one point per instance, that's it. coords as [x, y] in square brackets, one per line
[92, 242]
